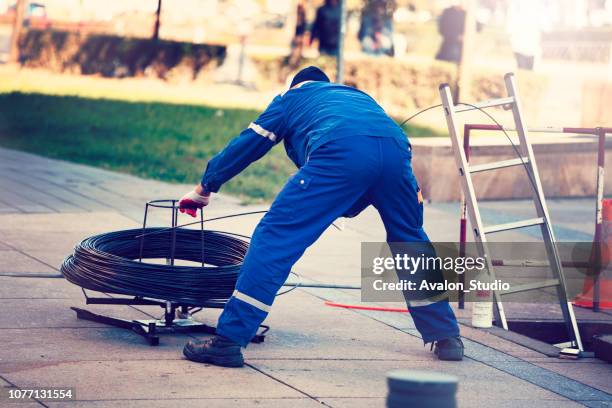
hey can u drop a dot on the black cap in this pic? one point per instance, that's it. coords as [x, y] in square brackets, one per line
[311, 73]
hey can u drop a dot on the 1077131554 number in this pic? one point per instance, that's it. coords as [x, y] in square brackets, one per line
[45, 394]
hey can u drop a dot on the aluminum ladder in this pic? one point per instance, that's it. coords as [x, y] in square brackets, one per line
[484, 311]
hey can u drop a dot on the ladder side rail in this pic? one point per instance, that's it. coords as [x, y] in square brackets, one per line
[470, 195]
[526, 149]
[542, 211]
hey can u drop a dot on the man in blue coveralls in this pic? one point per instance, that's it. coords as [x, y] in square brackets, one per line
[350, 154]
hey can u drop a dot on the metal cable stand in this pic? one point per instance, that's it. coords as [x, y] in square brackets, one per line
[114, 263]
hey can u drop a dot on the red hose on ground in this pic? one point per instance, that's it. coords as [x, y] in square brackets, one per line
[375, 308]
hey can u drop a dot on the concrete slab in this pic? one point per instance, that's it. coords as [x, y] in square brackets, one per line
[14, 262]
[302, 327]
[74, 187]
[34, 348]
[499, 344]
[29, 194]
[5, 386]
[398, 320]
[58, 242]
[25, 205]
[152, 380]
[476, 403]
[354, 402]
[196, 403]
[68, 201]
[596, 374]
[51, 257]
[6, 209]
[507, 362]
[56, 313]
[38, 288]
[94, 222]
[561, 385]
[367, 379]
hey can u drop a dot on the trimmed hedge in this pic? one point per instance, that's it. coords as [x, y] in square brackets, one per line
[406, 85]
[399, 85]
[113, 56]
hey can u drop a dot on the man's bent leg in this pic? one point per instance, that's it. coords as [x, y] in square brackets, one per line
[399, 203]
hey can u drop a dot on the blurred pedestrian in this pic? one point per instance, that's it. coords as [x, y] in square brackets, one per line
[451, 25]
[326, 27]
[293, 60]
[524, 30]
[376, 30]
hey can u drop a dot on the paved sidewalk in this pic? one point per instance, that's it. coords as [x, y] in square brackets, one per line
[313, 355]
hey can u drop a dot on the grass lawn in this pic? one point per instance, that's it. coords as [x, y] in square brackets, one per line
[162, 141]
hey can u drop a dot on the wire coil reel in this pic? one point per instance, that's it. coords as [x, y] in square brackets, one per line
[109, 263]
[113, 262]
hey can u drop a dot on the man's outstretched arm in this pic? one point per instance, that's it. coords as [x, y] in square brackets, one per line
[252, 143]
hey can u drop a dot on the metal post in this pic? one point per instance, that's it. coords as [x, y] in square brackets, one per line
[340, 54]
[144, 228]
[174, 224]
[601, 157]
[17, 26]
[463, 221]
[202, 233]
[241, 60]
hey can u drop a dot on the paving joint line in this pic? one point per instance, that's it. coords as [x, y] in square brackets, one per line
[287, 384]
[16, 386]
[28, 255]
[180, 358]
[61, 327]
[30, 275]
[54, 210]
[12, 206]
[36, 298]
[58, 197]
[80, 194]
[196, 399]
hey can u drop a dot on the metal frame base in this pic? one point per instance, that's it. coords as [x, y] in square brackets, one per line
[151, 329]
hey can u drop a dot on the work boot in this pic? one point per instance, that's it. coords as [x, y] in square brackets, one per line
[449, 349]
[217, 350]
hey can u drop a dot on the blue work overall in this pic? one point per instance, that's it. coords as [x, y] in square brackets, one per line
[350, 155]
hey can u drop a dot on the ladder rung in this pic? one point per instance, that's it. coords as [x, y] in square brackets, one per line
[522, 263]
[485, 104]
[529, 263]
[513, 225]
[499, 165]
[531, 286]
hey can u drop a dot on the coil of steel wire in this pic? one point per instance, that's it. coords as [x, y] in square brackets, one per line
[109, 263]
